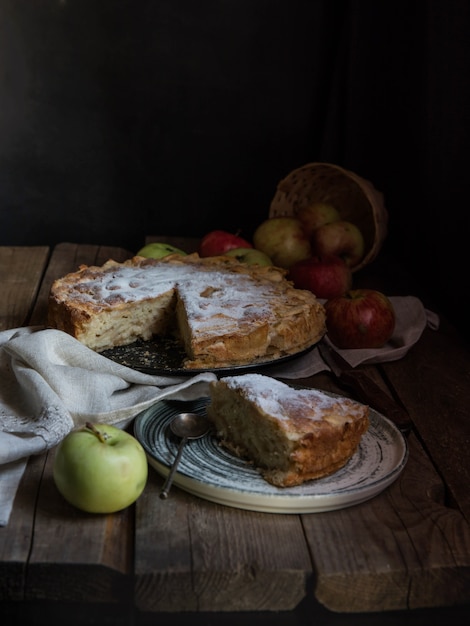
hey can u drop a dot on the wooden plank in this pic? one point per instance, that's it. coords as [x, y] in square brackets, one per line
[71, 546]
[76, 556]
[47, 540]
[21, 270]
[16, 537]
[404, 549]
[433, 381]
[367, 575]
[194, 555]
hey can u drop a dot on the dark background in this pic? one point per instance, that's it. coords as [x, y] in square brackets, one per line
[122, 118]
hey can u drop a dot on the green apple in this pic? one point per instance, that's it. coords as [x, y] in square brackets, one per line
[100, 468]
[249, 256]
[159, 250]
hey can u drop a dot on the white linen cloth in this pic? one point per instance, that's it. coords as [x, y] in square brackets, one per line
[50, 383]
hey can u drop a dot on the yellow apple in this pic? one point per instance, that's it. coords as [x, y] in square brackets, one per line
[316, 214]
[283, 240]
[342, 238]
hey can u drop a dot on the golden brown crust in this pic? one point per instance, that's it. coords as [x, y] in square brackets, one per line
[228, 313]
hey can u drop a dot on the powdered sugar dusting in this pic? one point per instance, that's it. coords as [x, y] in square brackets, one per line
[222, 303]
[281, 401]
[211, 293]
[131, 283]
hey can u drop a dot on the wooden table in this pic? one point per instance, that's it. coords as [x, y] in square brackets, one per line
[403, 554]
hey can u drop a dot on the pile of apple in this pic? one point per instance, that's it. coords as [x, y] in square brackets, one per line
[319, 250]
[316, 247]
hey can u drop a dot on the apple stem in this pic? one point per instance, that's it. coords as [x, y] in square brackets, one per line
[101, 436]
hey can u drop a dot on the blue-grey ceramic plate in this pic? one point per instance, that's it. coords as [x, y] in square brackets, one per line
[209, 471]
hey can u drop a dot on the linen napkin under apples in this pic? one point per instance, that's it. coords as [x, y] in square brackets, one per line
[50, 384]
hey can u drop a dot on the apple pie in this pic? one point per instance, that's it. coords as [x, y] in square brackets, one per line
[225, 313]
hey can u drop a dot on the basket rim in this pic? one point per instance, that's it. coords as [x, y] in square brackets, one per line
[373, 196]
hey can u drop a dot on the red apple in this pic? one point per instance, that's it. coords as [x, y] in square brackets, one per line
[283, 240]
[316, 214]
[327, 276]
[217, 242]
[361, 318]
[342, 238]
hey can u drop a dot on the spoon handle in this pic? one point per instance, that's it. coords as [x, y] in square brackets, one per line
[169, 480]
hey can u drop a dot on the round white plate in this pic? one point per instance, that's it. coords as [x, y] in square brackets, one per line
[209, 471]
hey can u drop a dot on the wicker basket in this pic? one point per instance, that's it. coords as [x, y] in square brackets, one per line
[355, 198]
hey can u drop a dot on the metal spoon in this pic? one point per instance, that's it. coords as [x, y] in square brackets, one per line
[187, 426]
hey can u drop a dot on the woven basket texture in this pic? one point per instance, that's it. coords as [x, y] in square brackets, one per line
[355, 198]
